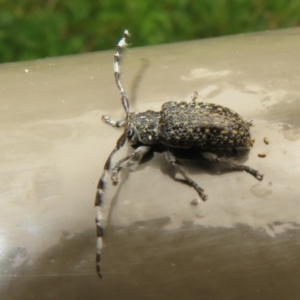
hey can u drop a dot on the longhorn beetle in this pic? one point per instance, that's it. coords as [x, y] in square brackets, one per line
[204, 128]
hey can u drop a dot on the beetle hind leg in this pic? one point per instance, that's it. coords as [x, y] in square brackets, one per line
[232, 164]
[175, 163]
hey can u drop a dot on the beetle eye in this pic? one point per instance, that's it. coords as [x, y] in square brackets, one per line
[129, 132]
[131, 135]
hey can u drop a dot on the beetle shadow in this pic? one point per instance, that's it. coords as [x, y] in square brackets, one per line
[137, 80]
[195, 164]
[191, 160]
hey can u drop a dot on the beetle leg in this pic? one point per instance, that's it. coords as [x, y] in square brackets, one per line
[175, 163]
[249, 122]
[194, 96]
[131, 161]
[232, 164]
[111, 122]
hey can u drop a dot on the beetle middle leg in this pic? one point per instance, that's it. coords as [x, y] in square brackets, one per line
[175, 163]
[232, 164]
[131, 161]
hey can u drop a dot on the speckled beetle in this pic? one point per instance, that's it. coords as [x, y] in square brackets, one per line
[204, 128]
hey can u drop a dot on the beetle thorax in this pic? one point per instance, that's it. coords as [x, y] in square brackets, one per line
[143, 128]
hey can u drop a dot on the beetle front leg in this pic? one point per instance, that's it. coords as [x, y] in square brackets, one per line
[131, 161]
[111, 122]
[232, 164]
[175, 163]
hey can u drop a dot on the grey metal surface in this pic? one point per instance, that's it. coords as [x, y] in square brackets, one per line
[243, 243]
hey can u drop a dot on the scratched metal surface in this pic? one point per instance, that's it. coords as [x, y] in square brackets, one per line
[243, 243]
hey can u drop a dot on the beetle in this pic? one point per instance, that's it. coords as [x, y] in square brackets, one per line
[204, 128]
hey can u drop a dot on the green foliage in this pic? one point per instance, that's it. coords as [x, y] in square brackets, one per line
[33, 29]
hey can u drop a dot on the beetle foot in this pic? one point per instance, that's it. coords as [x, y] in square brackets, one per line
[114, 177]
[200, 192]
[258, 176]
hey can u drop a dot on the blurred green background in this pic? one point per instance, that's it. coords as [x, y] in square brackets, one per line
[31, 29]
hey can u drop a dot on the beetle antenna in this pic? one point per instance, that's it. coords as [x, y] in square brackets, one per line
[117, 57]
[99, 201]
